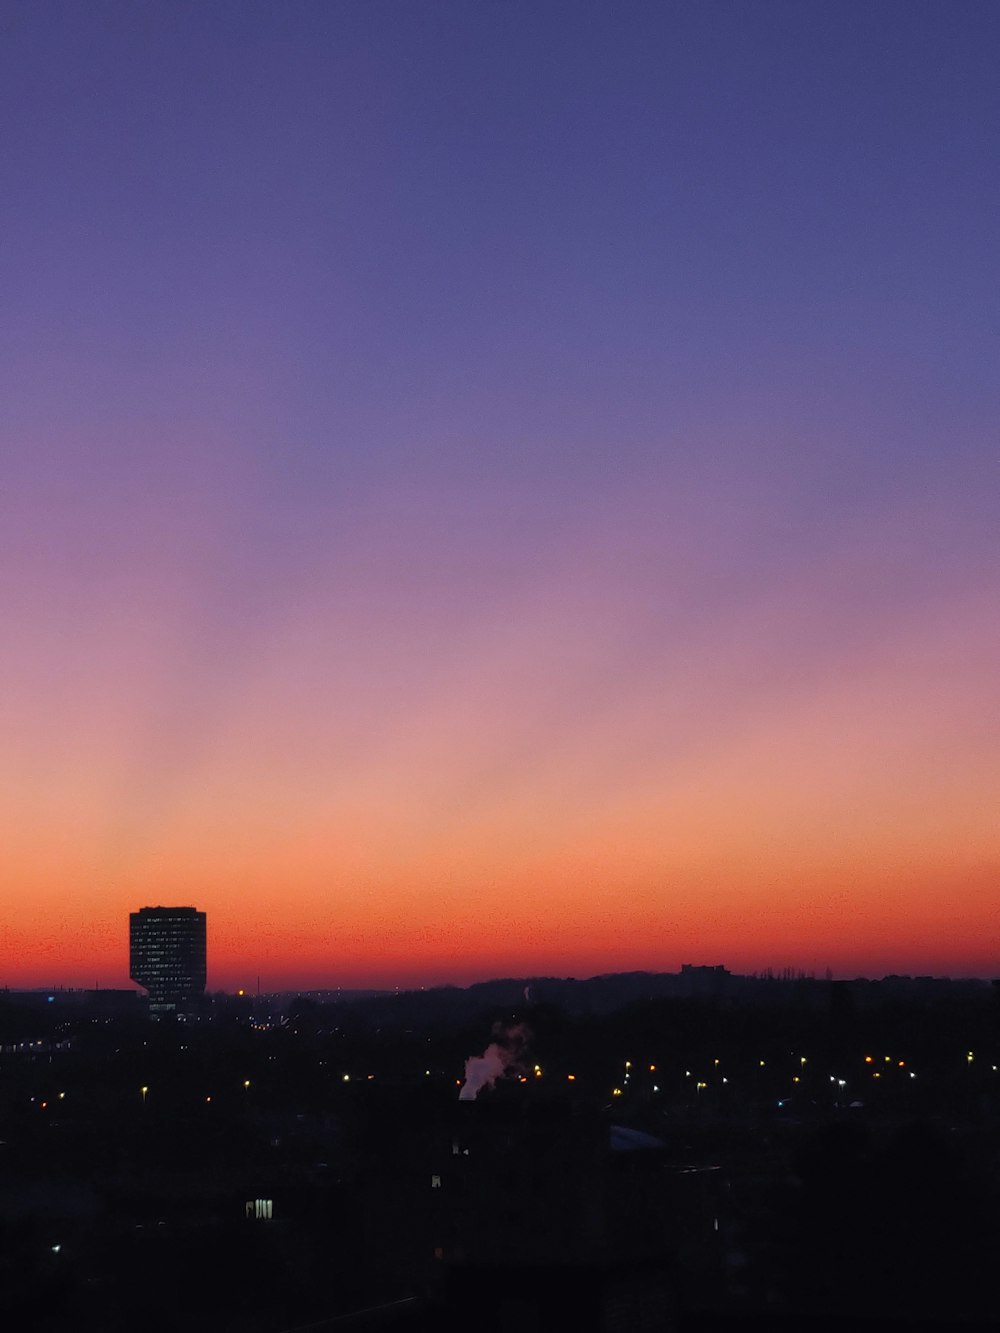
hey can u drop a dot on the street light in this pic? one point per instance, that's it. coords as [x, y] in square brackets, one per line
[142, 1091]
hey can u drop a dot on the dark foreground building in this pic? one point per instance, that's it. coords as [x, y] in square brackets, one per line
[167, 957]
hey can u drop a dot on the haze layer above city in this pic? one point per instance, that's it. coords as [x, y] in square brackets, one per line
[499, 489]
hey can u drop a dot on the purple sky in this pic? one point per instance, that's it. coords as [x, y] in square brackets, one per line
[441, 421]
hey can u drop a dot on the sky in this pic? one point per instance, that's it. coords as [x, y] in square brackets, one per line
[499, 488]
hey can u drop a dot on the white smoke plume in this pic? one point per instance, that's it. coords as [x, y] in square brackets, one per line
[502, 1056]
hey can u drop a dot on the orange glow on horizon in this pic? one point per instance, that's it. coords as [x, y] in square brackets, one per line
[518, 803]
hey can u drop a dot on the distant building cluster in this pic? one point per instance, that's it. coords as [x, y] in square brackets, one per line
[167, 956]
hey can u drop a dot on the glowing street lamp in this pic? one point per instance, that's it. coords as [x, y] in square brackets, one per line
[142, 1092]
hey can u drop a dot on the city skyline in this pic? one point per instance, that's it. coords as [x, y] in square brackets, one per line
[500, 490]
[700, 975]
[179, 947]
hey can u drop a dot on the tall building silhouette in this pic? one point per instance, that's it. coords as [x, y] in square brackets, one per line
[167, 957]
